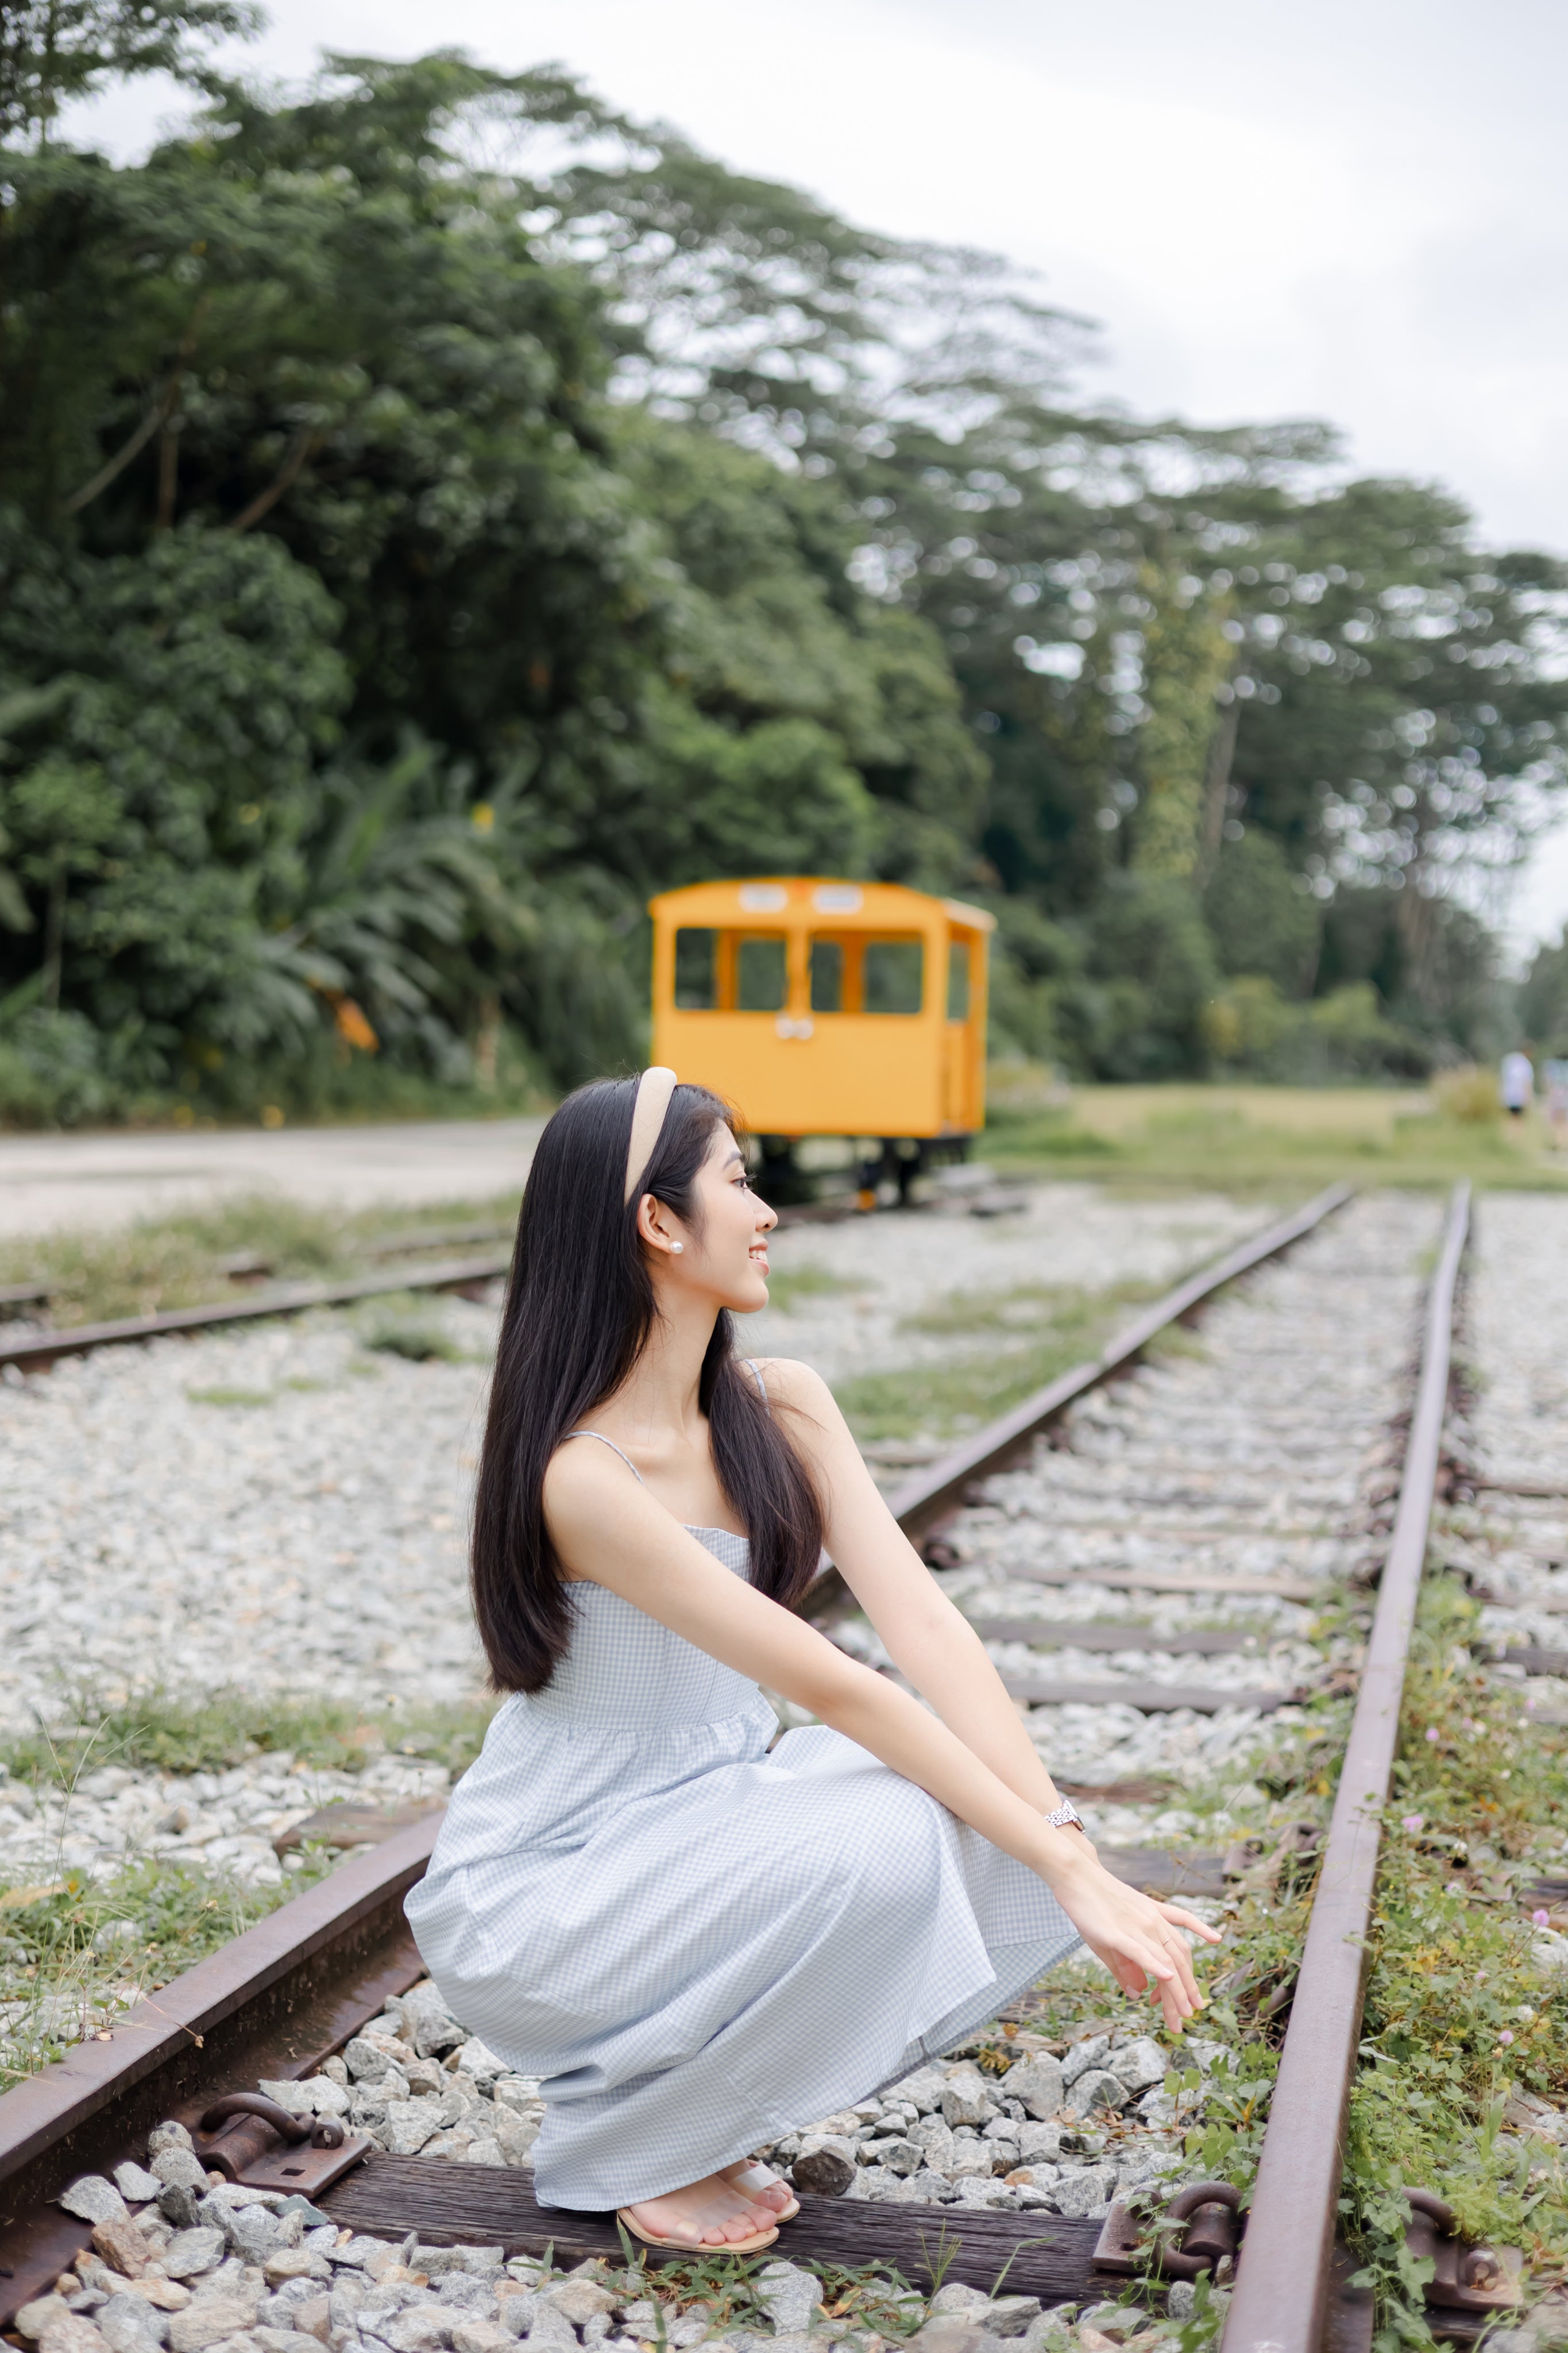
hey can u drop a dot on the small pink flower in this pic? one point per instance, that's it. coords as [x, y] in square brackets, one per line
[1433, 1733]
[1540, 1919]
[1507, 2034]
[1413, 1822]
[1531, 1704]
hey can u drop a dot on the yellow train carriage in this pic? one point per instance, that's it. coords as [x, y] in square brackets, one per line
[823, 1007]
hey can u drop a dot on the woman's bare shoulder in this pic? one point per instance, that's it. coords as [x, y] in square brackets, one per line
[789, 1382]
[583, 1470]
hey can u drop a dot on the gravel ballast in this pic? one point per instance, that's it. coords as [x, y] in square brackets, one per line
[1262, 1446]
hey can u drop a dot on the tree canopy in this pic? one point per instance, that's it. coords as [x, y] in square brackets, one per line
[436, 512]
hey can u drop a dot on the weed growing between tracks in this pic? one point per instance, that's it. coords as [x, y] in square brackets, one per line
[173, 1733]
[165, 1262]
[1466, 2005]
[74, 1952]
[1007, 1343]
[1467, 2013]
[77, 1947]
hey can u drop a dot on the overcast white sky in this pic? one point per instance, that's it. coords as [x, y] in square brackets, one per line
[1354, 211]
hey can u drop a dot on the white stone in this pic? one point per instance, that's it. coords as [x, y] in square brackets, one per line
[409, 2124]
[1087, 2191]
[129, 2324]
[924, 2088]
[965, 2099]
[789, 2296]
[94, 2199]
[311, 2095]
[34, 2318]
[1037, 2082]
[1090, 2053]
[1139, 2064]
[191, 2252]
[1096, 2087]
[135, 2184]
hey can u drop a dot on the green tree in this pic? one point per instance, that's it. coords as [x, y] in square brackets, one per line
[54, 50]
[1262, 919]
[1543, 1007]
[1186, 659]
[624, 519]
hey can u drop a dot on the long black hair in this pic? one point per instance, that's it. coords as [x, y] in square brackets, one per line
[578, 1313]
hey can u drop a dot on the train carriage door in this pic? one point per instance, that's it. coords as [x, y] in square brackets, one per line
[955, 1035]
[963, 1034]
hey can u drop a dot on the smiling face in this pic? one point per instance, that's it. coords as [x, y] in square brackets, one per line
[724, 1248]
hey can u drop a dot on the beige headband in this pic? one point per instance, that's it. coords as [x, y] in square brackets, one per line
[654, 1090]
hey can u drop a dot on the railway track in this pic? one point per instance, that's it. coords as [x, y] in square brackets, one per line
[1116, 1553]
[42, 1344]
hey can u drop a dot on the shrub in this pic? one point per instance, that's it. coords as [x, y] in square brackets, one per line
[1469, 1095]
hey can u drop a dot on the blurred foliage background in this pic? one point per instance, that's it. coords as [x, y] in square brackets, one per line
[437, 512]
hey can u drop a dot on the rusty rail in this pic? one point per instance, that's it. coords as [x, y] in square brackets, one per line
[39, 1349]
[1282, 2279]
[274, 2002]
[278, 1999]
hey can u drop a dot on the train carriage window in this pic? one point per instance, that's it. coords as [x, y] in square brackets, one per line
[958, 980]
[826, 975]
[894, 975]
[762, 982]
[696, 971]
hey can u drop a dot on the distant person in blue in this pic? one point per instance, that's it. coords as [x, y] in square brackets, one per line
[1516, 1084]
[701, 1934]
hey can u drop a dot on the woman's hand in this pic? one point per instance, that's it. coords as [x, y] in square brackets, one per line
[1135, 1937]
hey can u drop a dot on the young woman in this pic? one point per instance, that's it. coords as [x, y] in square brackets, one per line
[700, 1935]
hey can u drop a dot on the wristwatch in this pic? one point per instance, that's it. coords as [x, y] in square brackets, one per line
[1067, 1818]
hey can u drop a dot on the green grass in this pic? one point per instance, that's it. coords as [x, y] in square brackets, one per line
[163, 1263]
[1036, 1332]
[74, 1950]
[407, 1323]
[792, 1283]
[57, 1986]
[174, 1734]
[1460, 2016]
[1261, 1141]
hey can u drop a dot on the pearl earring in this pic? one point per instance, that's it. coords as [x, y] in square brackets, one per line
[676, 1249]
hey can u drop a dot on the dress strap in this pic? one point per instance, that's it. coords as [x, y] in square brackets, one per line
[755, 1371]
[610, 1442]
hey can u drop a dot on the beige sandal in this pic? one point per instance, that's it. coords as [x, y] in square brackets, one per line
[751, 2174]
[686, 2246]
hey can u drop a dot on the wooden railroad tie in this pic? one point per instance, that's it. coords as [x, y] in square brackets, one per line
[1174, 1580]
[1044, 2254]
[1108, 1634]
[1149, 1699]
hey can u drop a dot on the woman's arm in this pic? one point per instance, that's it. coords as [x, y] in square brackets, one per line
[607, 1528]
[932, 1643]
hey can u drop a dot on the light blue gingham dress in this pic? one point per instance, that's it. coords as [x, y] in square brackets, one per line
[699, 1940]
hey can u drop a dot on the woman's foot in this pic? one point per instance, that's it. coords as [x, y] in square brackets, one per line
[760, 2183]
[711, 2212]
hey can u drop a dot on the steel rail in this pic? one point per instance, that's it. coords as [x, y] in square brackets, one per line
[276, 2001]
[1281, 2299]
[41, 1348]
[939, 1488]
